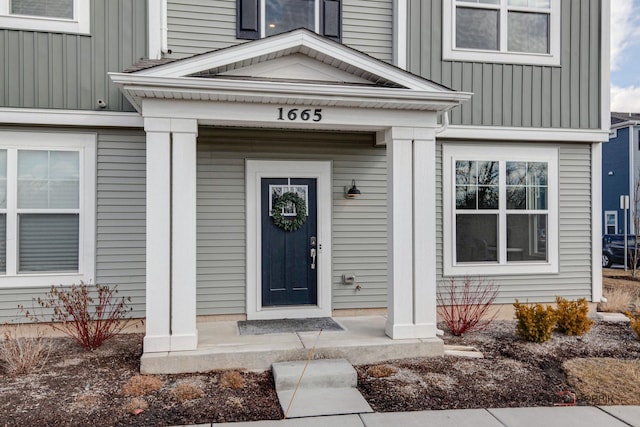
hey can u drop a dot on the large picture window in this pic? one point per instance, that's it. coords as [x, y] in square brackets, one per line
[47, 213]
[500, 209]
[506, 31]
[65, 16]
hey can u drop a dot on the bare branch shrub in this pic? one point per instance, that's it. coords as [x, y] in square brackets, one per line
[23, 355]
[90, 314]
[466, 307]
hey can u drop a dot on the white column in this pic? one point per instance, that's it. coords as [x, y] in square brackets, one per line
[399, 234]
[596, 221]
[158, 259]
[183, 234]
[424, 229]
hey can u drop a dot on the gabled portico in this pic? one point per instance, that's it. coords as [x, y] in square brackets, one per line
[296, 80]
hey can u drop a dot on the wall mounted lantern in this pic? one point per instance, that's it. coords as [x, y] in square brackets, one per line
[352, 192]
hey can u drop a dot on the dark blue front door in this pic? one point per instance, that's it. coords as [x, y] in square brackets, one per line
[288, 271]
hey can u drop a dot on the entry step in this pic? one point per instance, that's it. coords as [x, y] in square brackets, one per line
[313, 402]
[321, 373]
[327, 387]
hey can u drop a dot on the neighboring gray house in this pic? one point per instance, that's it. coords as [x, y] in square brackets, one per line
[145, 144]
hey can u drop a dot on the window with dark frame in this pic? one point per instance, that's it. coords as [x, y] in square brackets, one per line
[286, 15]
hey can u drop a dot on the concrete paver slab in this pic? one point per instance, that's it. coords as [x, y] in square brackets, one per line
[321, 373]
[449, 418]
[612, 317]
[334, 421]
[583, 416]
[323, 401]
[628, 414]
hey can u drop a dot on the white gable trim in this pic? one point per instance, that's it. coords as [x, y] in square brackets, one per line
[301, 40]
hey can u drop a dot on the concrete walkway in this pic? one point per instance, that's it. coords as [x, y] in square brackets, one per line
[570, 416]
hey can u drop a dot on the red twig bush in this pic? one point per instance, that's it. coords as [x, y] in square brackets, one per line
[466, 307]
[90, 314]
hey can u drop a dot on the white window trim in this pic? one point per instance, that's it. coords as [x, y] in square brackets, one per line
[606, 225]
[451, 53]
[80, 24]
[85, 144]
[263, 18]
[451, 153]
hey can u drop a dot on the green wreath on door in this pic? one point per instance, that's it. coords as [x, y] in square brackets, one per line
[289, 223]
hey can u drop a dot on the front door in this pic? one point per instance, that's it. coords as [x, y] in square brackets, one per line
[289, 257]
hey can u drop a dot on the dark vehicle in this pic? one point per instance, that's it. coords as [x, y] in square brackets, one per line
[613, 249]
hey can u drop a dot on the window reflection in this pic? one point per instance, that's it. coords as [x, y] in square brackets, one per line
[287, 15]
[477, 184]
[476, 238]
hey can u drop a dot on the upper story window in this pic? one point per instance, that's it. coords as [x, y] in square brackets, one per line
[63, 16]
[505, 31]
[500, 205]
[261, 18]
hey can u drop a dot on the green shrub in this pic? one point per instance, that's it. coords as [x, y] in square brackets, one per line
[635, 322]
[572, 316]
[535, 322]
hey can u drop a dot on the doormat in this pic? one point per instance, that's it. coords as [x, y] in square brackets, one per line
[281, 326]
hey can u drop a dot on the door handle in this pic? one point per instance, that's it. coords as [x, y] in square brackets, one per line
[313, 258]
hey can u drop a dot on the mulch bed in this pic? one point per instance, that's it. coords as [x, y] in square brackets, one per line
[79, 388]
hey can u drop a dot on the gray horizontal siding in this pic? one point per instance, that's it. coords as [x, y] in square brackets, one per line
[359, 226]
[567, 96]
[574, 279]
[51, 70]
[367, 25]
[120, 223]
[195, 26]
[121, 212]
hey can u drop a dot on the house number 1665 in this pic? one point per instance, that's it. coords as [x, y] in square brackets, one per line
[297, 114]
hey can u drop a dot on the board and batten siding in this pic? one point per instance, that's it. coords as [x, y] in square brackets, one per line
[195, 27]
[120, 223]
[574, 224]
[54, 70]
[565, 96]
[359, 226]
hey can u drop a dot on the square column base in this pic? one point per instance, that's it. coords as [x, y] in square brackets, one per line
[410, 331]
[156, 343]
